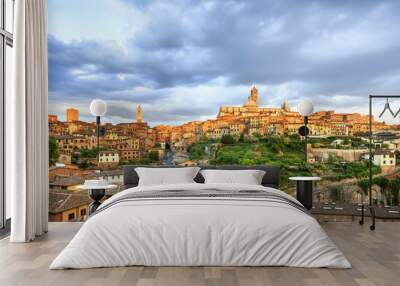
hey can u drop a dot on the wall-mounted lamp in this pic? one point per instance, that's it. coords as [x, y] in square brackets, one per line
[98, 108]
[305, 108]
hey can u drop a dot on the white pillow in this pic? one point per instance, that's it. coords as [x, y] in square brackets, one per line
[248, 177]
[166, 176]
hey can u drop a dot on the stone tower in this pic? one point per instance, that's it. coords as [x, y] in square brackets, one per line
[72, 115]
[139, 117]
[252, 100]
[254, 95]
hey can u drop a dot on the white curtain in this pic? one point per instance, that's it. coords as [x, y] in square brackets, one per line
[27, 145]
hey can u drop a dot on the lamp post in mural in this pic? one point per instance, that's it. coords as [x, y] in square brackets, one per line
[97, 188]
[305, 108]
[98, 108]
[304, 190]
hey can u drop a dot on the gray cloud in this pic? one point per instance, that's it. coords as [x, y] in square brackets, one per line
[322, 50]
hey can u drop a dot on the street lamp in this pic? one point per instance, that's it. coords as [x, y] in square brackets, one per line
[305, 108]
[98, 108]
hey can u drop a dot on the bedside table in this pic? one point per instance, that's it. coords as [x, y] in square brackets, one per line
[304, 191]
[96, 191]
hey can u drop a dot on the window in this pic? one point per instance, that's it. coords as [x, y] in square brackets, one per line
[6, 42]
[71, 216]
[83, 212]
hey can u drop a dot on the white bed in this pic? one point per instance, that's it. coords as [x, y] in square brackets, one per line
[202, 231]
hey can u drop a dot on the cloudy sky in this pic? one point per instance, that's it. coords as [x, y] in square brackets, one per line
[181, 59]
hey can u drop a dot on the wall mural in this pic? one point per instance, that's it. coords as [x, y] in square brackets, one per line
[219, 83]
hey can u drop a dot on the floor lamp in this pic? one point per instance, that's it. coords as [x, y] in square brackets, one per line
[98, 108]
[305, 108]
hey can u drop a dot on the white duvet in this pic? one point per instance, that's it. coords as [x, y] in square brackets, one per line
[200, 231]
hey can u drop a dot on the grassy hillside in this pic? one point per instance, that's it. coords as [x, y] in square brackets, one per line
[284, 152]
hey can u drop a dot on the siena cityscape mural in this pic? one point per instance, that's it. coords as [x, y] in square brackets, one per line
[220, 83]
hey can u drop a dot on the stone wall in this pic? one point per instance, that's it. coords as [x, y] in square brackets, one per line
[323, 154]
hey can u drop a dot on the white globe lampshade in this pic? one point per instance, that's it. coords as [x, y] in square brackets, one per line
[98, 107]
[305, 107]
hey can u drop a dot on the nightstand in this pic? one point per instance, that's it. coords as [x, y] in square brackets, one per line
[304, 191]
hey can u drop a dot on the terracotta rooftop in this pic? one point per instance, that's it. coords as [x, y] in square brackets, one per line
[116, 172]
[383, 152]
[67, 181]
[108, 151]
[60, 137]
[62, 201]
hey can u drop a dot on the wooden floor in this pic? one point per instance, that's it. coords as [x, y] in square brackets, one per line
[375, 257]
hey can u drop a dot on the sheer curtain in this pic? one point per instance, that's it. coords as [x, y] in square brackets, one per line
[27, 146]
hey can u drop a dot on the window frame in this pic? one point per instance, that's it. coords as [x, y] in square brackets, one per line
[6, 39]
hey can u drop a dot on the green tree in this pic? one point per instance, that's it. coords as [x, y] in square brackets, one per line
[153, 156]
[247, 162]
[227, 139]
[275, 147]
[364, 185]
[197, 151]
[397, 154]
[53, 150]
[204, 138]
[90, 153]
[257, 136]
[394, 187]
[84, 164]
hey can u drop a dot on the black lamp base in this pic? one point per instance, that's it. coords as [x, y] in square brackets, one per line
[96, 195]
[305, 193]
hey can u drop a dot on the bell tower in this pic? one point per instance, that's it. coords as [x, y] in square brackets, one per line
[139, 117]
[254, 95]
